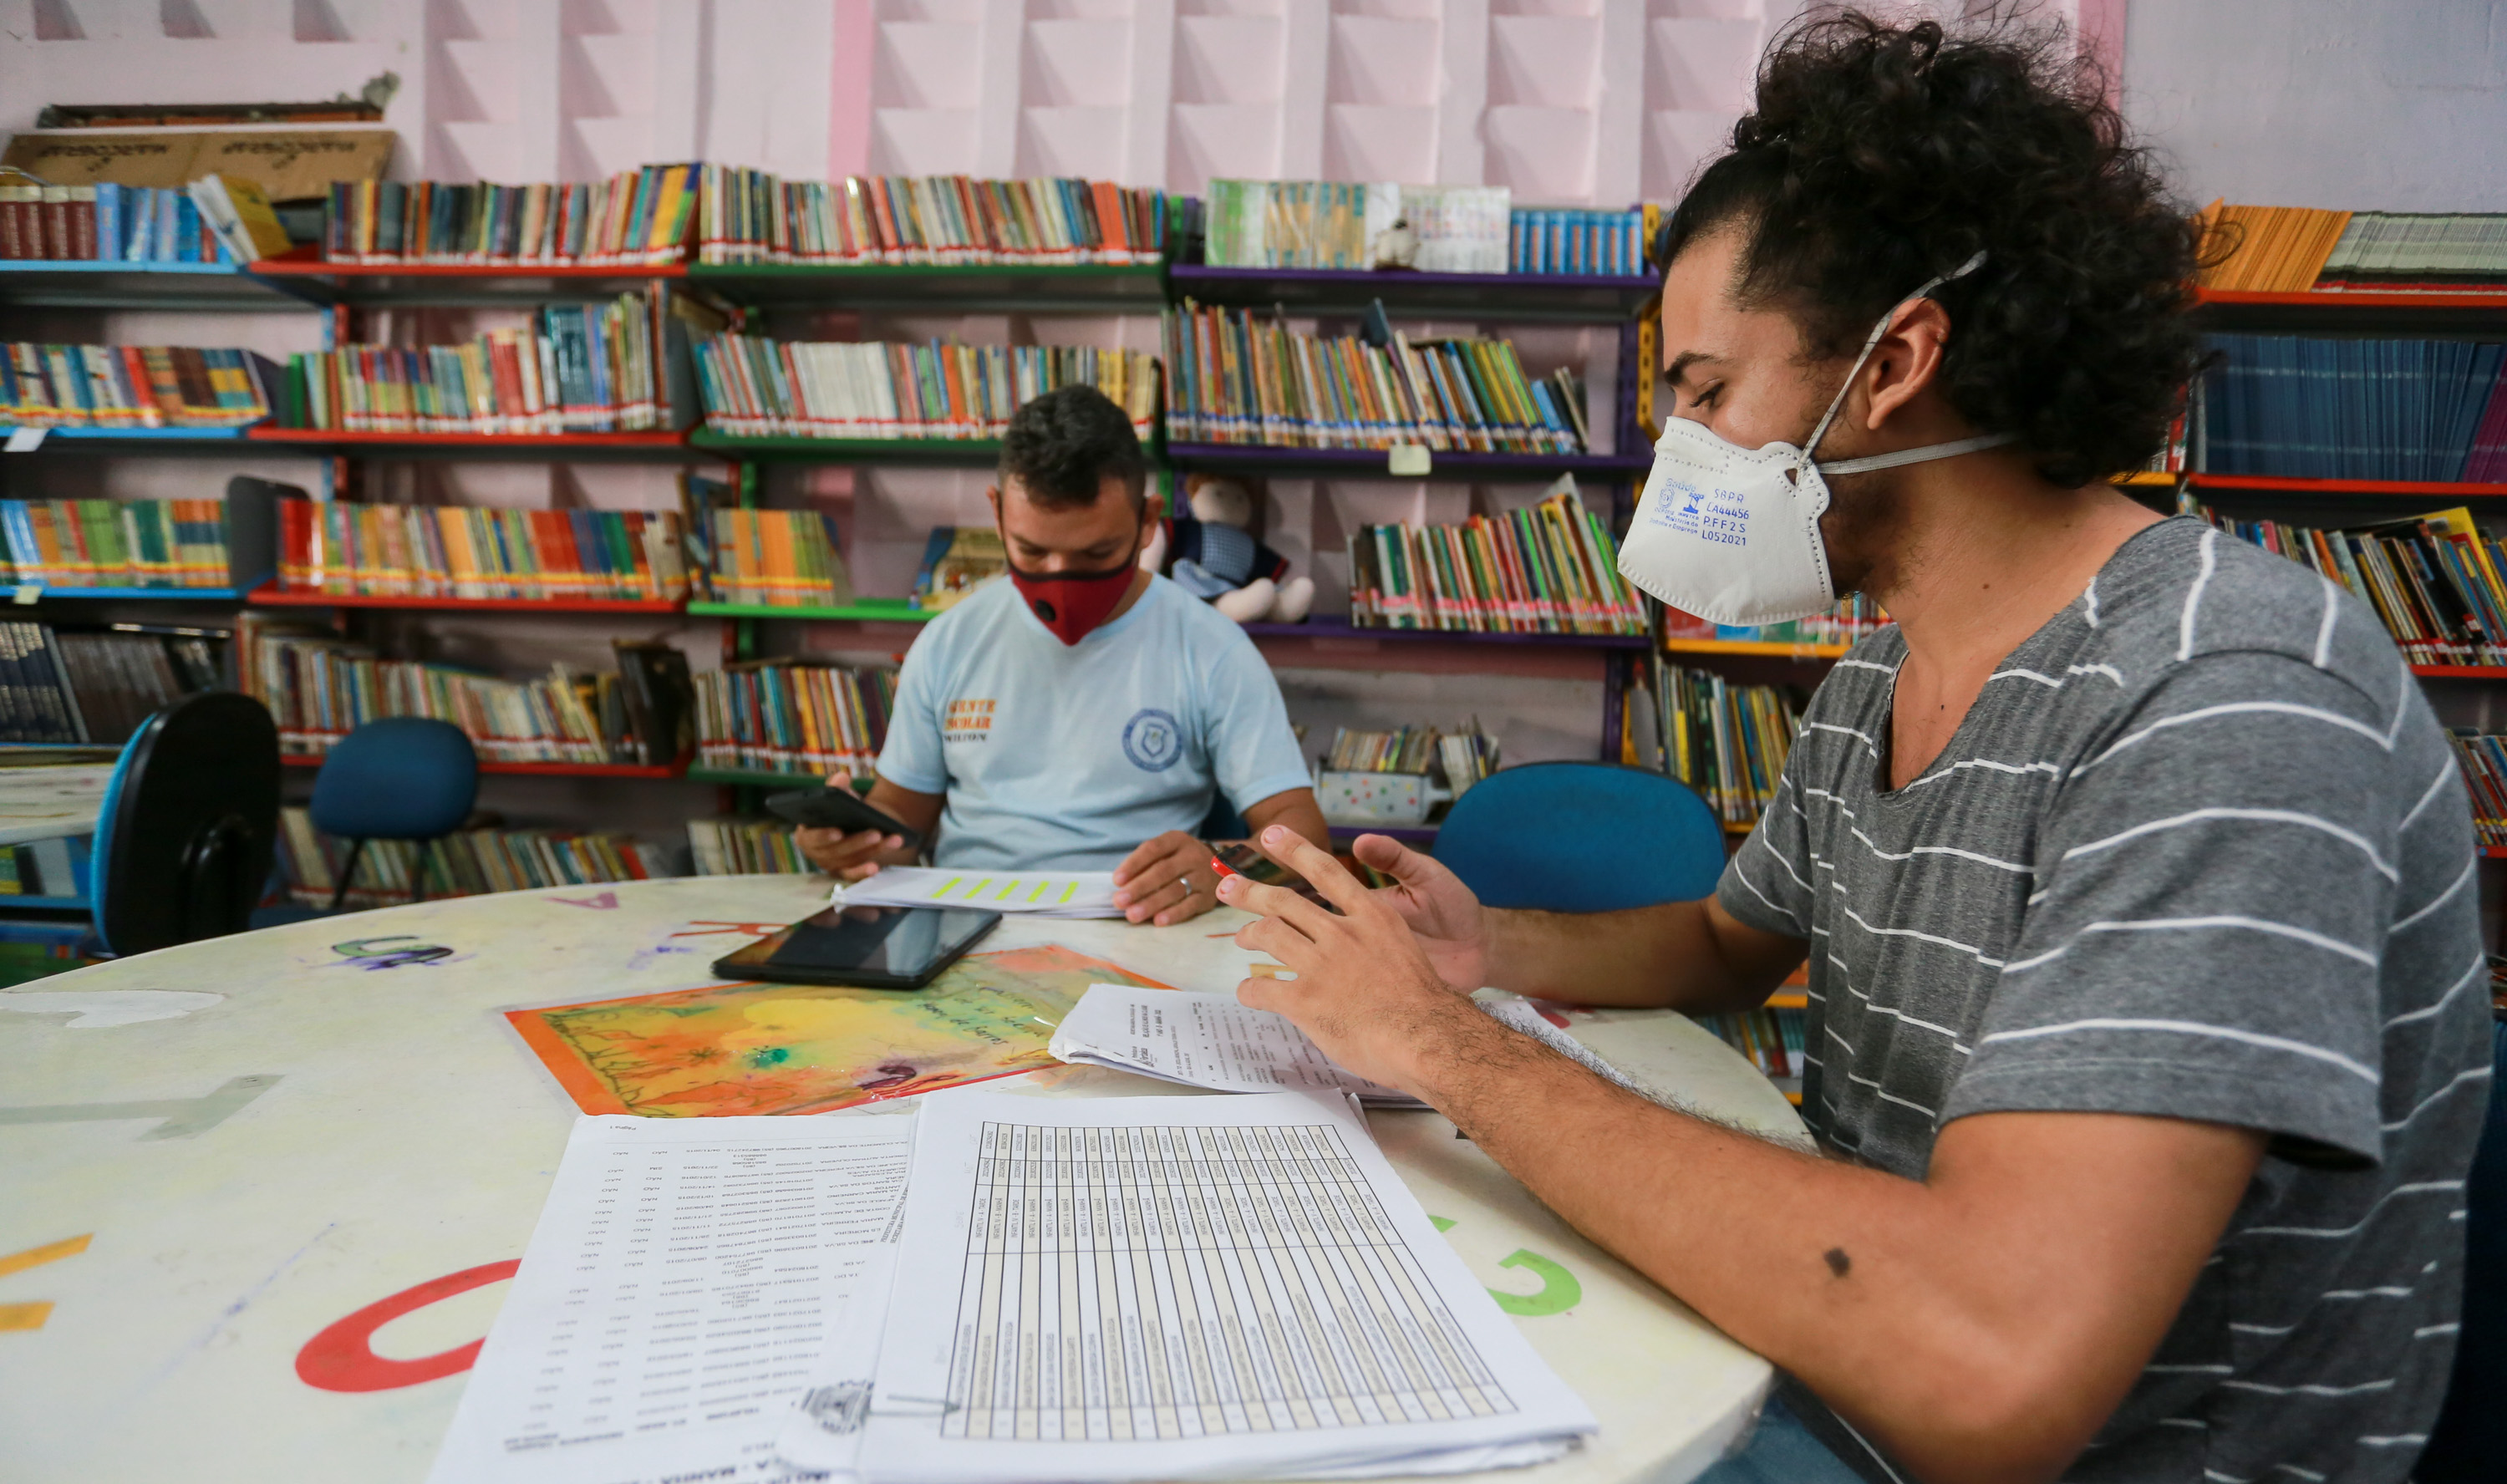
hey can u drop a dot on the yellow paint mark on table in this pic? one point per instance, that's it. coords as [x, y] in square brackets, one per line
[31, 1315]
[37, 1257]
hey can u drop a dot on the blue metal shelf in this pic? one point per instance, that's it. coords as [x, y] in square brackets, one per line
[86, 283]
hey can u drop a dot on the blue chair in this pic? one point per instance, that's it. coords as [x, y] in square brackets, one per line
[184, 833]
[2469, 1443]
[402, 778]
[1581, 837]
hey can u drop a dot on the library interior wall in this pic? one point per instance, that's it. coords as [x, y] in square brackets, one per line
[2320, 102]
[2356, 104]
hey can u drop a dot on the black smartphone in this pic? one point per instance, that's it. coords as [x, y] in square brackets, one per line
[872, 948]
[839, 808]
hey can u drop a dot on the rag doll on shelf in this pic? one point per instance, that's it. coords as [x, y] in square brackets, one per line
[1213, 556]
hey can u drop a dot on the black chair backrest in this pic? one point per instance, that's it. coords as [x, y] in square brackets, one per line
[183, 843]
[2469, 1443]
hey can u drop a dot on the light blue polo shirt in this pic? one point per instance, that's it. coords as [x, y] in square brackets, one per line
[1070, 755]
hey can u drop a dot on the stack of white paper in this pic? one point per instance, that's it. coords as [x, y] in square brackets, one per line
[674, 1297]
[1136, 1288]
[1209, 1041]
[1039, 893]
[1203, 1040]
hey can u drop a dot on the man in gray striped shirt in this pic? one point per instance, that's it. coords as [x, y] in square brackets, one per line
[2135, 882]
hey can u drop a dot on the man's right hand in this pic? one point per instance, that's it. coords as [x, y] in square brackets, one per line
[1448, 921]
[844, 857]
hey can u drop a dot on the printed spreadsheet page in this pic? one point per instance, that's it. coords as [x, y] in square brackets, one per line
[1201, 1287]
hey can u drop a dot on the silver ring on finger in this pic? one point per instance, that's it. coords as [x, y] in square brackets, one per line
[1186, 882]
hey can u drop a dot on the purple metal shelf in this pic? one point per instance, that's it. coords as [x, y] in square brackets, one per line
[1373, 462]
[1342, 629]
[1522, 297]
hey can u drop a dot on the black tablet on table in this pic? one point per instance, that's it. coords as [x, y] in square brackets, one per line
[875, 948]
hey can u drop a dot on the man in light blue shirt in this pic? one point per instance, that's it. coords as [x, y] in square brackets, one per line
[1083, 712]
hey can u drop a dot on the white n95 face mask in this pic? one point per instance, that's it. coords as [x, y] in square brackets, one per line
[1731, 535]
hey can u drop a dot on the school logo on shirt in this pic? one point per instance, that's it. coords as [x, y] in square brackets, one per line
[967, 721]
[1152, 740]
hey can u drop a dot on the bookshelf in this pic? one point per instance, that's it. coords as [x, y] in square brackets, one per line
[341, 294]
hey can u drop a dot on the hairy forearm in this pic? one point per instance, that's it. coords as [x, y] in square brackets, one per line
[1859, 1282]
[1297, 810]
[1682, 956]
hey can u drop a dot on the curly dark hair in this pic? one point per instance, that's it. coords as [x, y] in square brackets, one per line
[1063, 445]
[1879, 154]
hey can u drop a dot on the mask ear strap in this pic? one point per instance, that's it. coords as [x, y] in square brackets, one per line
[1811, 448]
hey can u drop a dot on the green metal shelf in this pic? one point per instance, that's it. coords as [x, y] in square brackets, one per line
[755, 778]
[956, 452]
[885, 610]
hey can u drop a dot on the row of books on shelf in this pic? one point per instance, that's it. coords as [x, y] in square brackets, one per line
[70, 686]
[1771, 1040]
[1402, 749]
[320, 686]
[782, 558]
[2296, 249]
[809, 718]
[746, 848]
[45, 868]
[641, 216]
[757, 386]
[1345, 225]
[111, 223]
[113, 543]
[1726, 741]
[615, 367]
[1239, 377]
[1854, 616]
[2484, 759]
[2436, 581]
[132, 387]
[1463, 754]
[1547, 568]
[1580, 241]
[2302, 408]
[473, 862]
[469, 862]
[347, 549]
[753, 216]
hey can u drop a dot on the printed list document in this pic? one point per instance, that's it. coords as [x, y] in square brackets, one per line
[1039, 893]
[1209, 1041]
[1203, 1040]
[1137, 1289]
[675, 1298]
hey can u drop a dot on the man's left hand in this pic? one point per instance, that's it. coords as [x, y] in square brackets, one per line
[1166, 881]
[1365, 990]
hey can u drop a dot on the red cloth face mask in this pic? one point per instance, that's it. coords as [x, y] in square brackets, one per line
[1074, 604]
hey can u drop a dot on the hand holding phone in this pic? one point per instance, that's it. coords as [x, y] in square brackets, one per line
[839, 808]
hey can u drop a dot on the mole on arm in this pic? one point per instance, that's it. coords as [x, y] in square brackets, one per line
[1838, 1263]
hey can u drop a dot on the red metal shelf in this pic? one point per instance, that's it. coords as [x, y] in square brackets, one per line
[2361, 299]
[306, 263]
[276, 598]
[518, 441]
[2493, 852]
[554, 770]
[2463, 671]
[2283, 485]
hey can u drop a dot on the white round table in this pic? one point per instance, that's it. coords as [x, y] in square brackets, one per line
[212, 1156]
